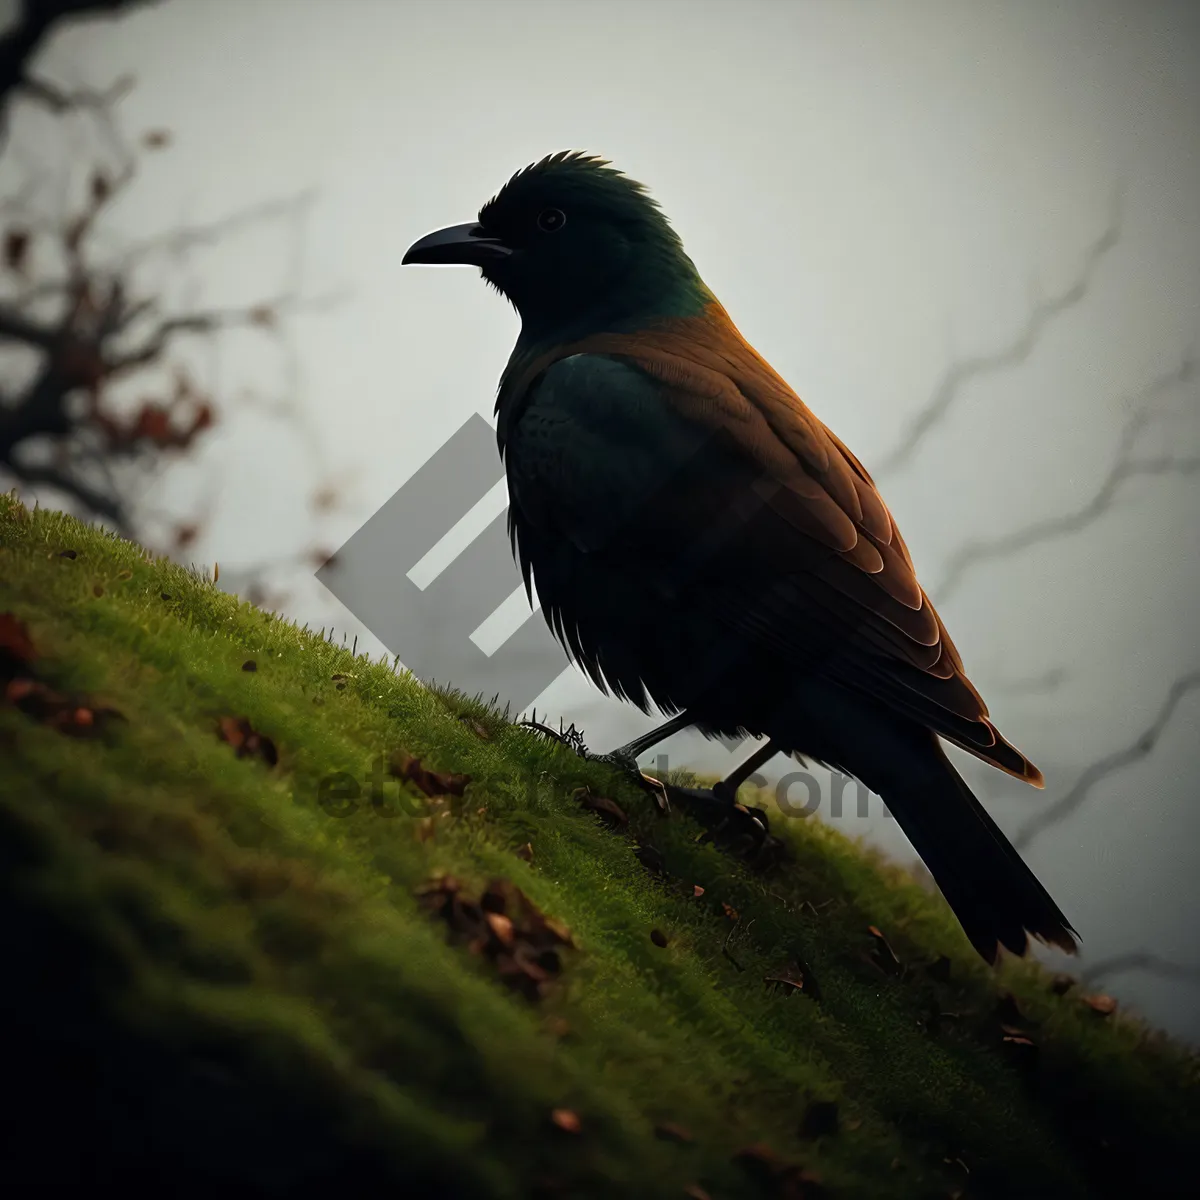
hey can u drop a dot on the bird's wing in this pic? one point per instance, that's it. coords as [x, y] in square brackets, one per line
[683, 437]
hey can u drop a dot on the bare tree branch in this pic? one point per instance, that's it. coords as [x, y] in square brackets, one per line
[963, 372]
[1140, 748]
[25, 37]
[60, 100]
[1125, 466]
[1138, 960]
[84, 318]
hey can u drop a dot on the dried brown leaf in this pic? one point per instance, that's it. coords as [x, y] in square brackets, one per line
[432, 783]
[566, 1119]
[246, 740]
[16, 646]
[1105, 1006]
[668, 1131]
[882, 953]
[607, 810]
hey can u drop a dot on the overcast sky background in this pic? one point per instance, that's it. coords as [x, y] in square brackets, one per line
[874, 191]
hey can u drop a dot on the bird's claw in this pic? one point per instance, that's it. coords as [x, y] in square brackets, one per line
[627, 765]
[736, 828]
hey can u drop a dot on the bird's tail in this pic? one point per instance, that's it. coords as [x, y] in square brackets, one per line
[995, 896]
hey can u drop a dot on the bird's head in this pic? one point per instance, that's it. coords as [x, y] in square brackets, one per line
[572, 241]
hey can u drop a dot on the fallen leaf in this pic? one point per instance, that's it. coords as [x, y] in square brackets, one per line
[73, 717]
[525, 852]
[476, 727]
[566, 1120]
[730, 911]
[607, 810]
[16, 646]
[697, 891]
[432, 783]
[246, 740]
[882, 953]
[1104, 1005]
[668, 1131]
[503, 926]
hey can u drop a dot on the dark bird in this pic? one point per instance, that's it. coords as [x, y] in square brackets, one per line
[700, 542]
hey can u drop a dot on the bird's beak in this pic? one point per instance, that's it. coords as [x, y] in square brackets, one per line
[467, 245]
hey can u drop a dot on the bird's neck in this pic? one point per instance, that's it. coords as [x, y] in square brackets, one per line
[665, 284]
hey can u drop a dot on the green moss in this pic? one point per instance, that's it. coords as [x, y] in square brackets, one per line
[219, 975]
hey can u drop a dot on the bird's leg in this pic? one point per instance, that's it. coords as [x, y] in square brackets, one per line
[727, 788]
[719, 808]
[626, 756]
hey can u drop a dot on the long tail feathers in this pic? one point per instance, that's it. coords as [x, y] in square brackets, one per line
[996, 897]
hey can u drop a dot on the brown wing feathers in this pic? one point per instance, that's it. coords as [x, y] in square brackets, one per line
[822, 491]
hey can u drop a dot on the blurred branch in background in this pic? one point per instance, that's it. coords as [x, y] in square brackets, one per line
[21, 41]
[1126, 465]
[96, 400]
[961, 373]
[1139, 748]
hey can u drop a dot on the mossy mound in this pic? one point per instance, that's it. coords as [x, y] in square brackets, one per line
[234, 963]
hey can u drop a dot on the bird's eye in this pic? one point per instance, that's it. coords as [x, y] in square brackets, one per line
[550, 220]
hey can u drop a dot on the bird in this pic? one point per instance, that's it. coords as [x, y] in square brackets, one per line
[702, 544]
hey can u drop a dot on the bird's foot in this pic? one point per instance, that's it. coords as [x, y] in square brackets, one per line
[626, 764]
[738, 829]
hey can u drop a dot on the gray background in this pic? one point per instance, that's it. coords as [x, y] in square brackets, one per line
[877, 192]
